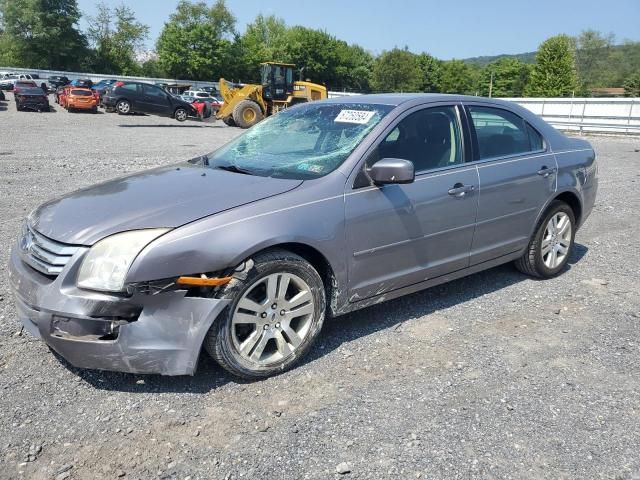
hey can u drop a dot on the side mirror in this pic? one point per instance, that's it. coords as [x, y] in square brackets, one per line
[392, 170]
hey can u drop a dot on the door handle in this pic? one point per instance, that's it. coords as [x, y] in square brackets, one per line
[546, 171]
[459, 190]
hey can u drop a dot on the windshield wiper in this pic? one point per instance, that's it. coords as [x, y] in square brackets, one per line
[234, 169]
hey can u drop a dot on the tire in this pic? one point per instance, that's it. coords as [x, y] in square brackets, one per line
[207, 111]
[229, 121]
[247, 113]
[551, 246]
[123, 107]
[284, 337]
[180, 114]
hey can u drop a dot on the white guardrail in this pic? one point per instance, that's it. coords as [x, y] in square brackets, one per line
[95, 77]
[582, 115]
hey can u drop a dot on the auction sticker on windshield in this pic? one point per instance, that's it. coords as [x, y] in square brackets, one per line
[360, 117]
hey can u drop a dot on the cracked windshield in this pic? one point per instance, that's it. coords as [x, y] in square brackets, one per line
[303, 142]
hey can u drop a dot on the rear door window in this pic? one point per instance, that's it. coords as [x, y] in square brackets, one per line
[535, 139]
[131, 87]
[499, 132]
[154, 91]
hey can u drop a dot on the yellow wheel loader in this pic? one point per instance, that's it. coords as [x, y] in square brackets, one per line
[246, 105]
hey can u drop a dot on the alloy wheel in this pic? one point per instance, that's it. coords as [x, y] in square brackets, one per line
[124, 107]
[556, 240]
[272, 318]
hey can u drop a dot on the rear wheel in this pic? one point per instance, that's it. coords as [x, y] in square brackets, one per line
[229, 121]
[123, 107]
[247, 113]
[274, 317]
[552, 243]
[181, 114]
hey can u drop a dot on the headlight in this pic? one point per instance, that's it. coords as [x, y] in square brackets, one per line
[107, 263]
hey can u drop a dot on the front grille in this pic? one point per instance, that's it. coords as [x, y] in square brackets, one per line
[43, 254]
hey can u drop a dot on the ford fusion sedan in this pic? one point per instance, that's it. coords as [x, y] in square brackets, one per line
[322, 209]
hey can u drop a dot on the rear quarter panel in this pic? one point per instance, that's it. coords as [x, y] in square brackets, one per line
[578, 173]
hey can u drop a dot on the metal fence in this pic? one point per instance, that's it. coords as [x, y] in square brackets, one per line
[95, 77]
[584, 115]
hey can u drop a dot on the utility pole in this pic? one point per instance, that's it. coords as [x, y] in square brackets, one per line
[491, 85]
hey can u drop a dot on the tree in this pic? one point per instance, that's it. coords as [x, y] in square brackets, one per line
[593, 51]
[353, 69]
[632, 86]
[554, 73]
[41, 34]
[264, 40]
[314, 52]
[508, 77]
[116, 35]
[197, 41]
[151, 68]
[397, 70]
[430, 73]
[458, 77]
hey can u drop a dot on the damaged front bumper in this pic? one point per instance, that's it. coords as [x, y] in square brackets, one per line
[143, 333]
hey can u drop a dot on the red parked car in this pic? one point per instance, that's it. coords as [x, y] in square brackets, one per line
[22, 84]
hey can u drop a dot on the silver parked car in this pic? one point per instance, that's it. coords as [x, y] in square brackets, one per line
[322, 209]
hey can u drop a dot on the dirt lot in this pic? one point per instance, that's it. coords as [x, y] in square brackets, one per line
[493, 376]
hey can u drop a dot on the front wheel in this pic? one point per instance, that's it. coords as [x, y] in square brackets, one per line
[275, 315]
[247, 113]
[552, 243]
[123, 107]
[181, 114]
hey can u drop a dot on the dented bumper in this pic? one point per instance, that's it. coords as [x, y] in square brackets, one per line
[142, 333]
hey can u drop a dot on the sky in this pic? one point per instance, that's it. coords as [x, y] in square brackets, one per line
[444, 28]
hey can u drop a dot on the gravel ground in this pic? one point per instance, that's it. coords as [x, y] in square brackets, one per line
[492, 376]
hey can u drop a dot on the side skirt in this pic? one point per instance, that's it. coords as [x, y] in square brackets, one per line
[432, 282]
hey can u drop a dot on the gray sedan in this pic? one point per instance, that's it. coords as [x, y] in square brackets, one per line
[322, 209]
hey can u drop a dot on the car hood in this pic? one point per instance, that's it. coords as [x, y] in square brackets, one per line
[163, 197]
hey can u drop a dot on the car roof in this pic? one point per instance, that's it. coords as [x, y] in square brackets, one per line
[396, 99]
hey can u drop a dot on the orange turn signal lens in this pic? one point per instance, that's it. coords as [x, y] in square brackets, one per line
[203, 282]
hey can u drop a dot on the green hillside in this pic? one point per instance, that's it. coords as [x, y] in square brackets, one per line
[483, 61]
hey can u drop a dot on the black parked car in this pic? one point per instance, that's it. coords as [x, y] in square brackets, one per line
[129, 97]
[82, 83]
[32, 98]
[57, 81]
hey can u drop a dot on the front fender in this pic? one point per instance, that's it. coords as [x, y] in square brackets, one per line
[225, 240]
